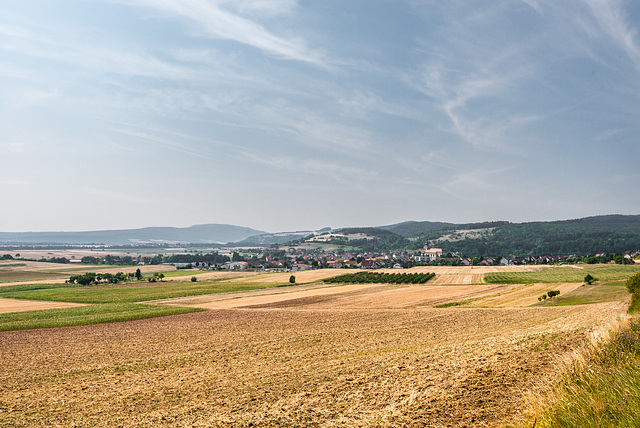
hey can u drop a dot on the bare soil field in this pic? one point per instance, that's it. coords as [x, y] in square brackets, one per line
[344, 296]
[292, 367]
[18, 305]
[308, 355]
[304, 276]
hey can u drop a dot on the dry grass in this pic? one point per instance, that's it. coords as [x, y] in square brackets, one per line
[523, 295]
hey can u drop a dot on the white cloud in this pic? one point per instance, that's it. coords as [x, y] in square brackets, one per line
[611, 18]
[213, 21]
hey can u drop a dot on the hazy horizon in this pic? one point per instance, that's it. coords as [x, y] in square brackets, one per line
[284, 115]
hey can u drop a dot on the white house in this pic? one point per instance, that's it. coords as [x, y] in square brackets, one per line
[235, 265]
[432, 254]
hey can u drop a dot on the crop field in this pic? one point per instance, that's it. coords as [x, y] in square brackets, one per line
[14, 272]
[563, 274]
[265, 354]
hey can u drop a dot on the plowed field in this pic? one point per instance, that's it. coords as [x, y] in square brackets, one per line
[282, 367]
[310, 355]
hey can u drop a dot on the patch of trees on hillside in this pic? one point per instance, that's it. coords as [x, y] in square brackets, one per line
[552, 238]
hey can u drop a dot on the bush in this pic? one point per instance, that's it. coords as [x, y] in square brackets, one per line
[633, 283]
[194, 279]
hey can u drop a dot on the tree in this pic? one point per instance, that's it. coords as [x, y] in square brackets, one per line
[588, 279]
[194, 279]
[633, 283]
[292, 279]
[138, 274]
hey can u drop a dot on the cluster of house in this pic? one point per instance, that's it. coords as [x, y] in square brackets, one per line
[298, 260]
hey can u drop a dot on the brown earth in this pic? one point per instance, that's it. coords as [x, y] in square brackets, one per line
[292, 367]
[308, 355]
[344, 296]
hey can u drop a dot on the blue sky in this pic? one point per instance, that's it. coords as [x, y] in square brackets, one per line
[296, 115]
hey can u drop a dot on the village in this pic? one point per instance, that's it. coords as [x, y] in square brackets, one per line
[293, 259]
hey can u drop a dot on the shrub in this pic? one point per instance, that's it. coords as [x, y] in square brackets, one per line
[194, 279]
[633, 283]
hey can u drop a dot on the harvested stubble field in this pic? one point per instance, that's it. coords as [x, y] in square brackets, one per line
[369, 355]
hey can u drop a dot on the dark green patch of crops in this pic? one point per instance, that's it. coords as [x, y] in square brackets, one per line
[381, 278]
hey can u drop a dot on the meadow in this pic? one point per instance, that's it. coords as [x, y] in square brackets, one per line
[256, 351]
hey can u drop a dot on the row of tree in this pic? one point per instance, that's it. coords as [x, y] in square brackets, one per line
[89, 278]
[381, 278]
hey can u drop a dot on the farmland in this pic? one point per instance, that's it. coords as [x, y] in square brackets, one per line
[261, 353]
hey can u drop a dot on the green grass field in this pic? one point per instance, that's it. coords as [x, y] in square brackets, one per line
[180, 272]
[108, 303]
[125, 293]
[91, 314]
[555, 274]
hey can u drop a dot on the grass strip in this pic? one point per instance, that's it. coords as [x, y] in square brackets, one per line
[125, 293]
[603, 393]
[82, 315]
[452, 304]
[553, 274]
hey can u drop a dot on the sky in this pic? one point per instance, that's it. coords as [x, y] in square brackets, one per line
[286, 115]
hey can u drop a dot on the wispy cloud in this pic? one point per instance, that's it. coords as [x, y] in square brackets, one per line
[612, 20]
[335, 171]
[213, 20]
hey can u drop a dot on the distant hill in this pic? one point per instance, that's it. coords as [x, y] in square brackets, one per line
[590, 235]
[199, 234]
[268, 239]
[415, 228]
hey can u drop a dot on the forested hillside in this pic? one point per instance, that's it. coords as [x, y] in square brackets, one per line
[602, 234]
[591, 235]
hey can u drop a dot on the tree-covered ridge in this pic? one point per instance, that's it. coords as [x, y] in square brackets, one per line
[603, 234]
[410, 229]
[611, 234]
[376, 240]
